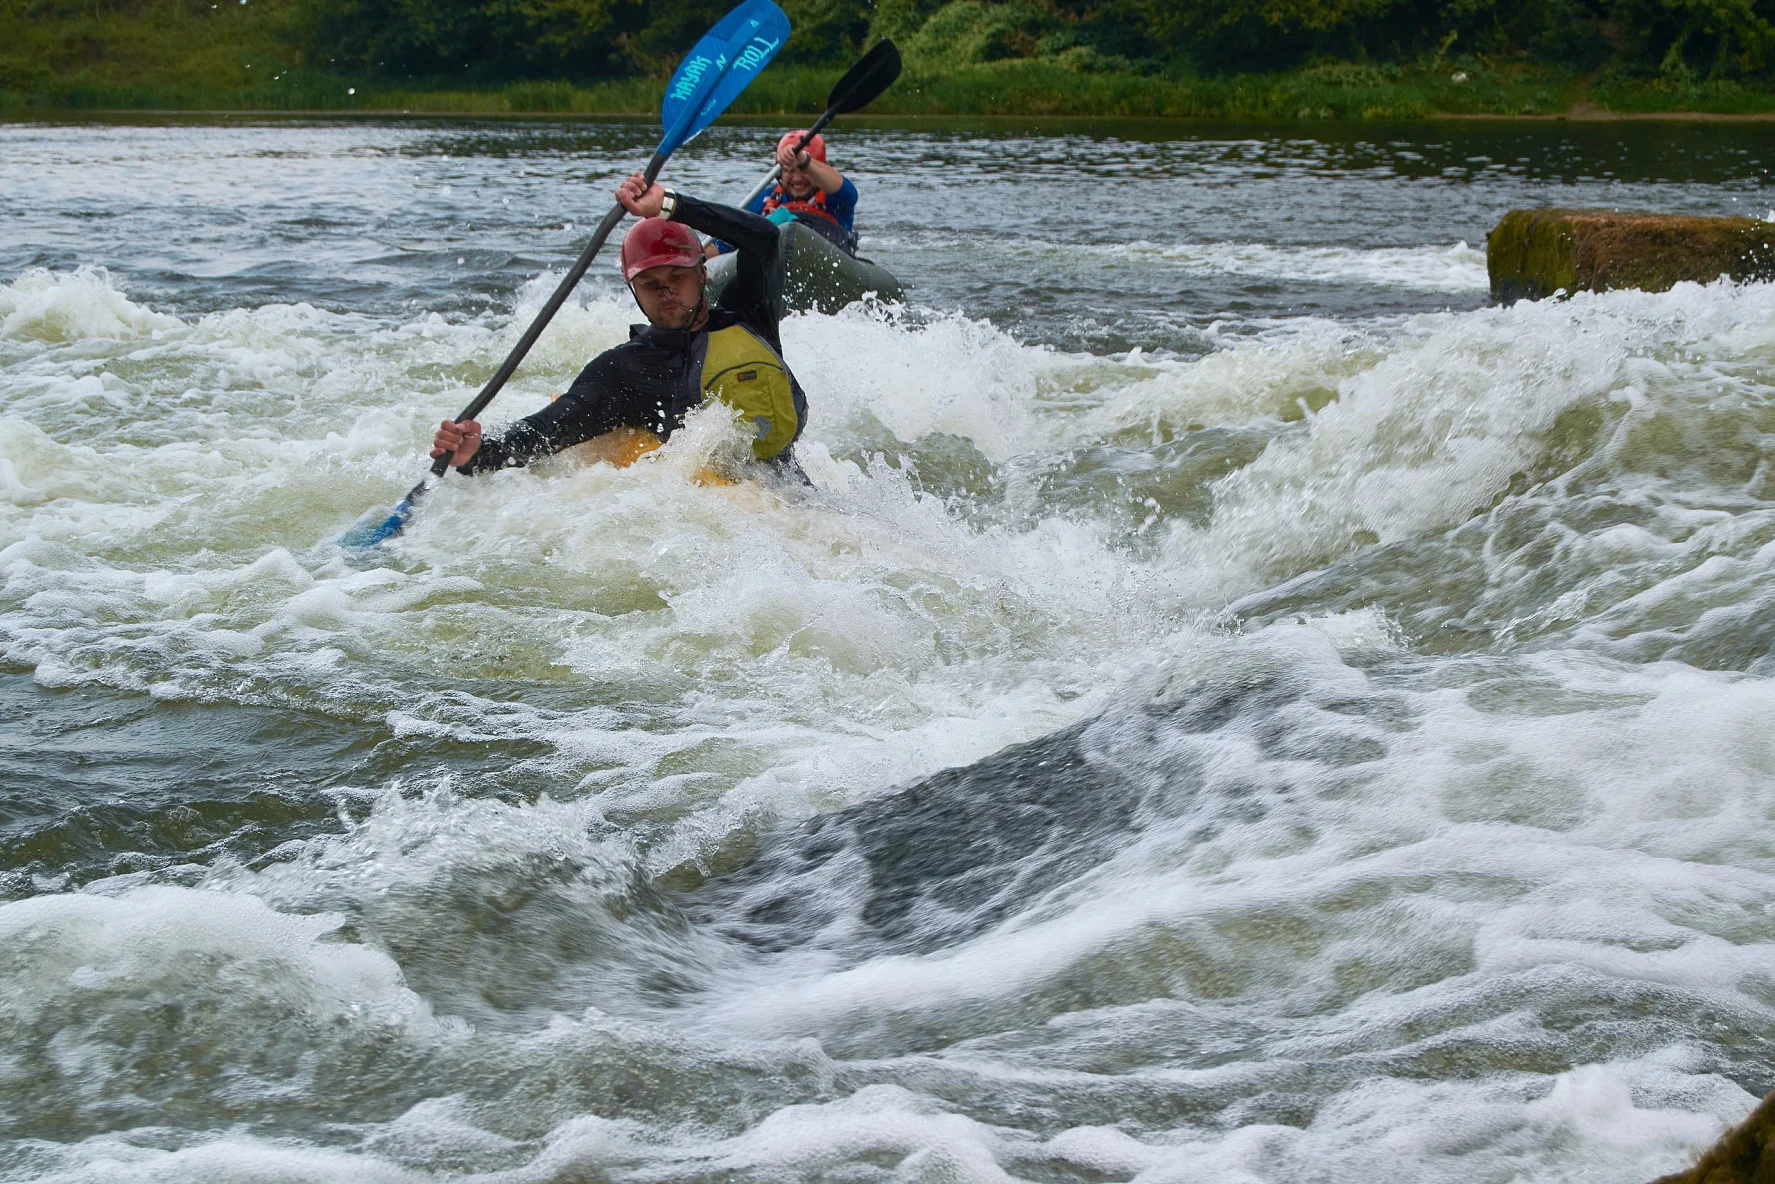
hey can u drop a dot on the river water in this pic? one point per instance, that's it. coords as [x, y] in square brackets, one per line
[1232, 705]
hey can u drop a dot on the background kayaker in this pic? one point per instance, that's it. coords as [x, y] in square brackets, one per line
[809, 190]
[629, 399]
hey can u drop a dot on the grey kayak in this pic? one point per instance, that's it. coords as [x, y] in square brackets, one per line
[815, 275]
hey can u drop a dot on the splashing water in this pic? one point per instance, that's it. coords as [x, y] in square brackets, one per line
[1230, 706]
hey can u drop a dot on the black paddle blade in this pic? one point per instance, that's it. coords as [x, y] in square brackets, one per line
[867, 79]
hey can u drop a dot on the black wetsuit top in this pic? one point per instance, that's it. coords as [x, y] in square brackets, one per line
[647, 382]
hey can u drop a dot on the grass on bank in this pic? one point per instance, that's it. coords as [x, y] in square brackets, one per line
[1033, 87]
[240, 56]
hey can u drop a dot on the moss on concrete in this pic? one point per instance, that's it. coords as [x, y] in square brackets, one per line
[1532, 254]
[1742, 1156]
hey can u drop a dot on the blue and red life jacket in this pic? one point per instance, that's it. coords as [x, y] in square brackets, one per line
[810, 211]
[778, 199]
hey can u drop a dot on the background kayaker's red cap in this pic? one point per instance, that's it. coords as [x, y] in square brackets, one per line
[816, 147]
[658, 242]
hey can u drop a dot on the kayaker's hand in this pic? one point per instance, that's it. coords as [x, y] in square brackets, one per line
[639, 198]
[788, 158]
[463, 439]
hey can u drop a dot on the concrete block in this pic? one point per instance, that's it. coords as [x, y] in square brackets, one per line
[1742, 1156]
[1532, 254]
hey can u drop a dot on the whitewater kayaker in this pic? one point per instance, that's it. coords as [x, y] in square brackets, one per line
[810, 191]
[629, 399]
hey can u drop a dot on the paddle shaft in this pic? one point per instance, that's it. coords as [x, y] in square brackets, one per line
[776, 170]
[562, 290]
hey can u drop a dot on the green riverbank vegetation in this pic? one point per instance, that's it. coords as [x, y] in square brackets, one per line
[1227, 59]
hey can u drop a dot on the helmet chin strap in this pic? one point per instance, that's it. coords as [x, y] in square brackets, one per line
[702, 295]
[696, 314]
[702, 302]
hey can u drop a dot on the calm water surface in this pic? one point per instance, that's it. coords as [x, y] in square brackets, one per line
[1233, 705]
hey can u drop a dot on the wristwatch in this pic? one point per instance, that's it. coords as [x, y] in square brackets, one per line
[668, 205]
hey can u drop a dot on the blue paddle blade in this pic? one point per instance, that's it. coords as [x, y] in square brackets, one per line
[367, 534]
[714, 73]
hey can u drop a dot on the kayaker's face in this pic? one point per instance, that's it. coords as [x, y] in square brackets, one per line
[670, 297]
[797, 182]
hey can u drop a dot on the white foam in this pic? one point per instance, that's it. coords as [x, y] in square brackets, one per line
[1249, 381]
[945, 374]
[1453, 268]
[1454, 1132]
[730, 658]
[1578, 868]
[1457, 268]
[94, 981]
[931, 1144]
[223, 1159]
[1434, 430]
[74, 306]
[163, 940]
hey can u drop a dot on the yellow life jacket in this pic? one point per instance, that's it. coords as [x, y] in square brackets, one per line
[740, 369]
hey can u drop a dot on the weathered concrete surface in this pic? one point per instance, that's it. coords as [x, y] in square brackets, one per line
[1532, 254]
[1742, 1156]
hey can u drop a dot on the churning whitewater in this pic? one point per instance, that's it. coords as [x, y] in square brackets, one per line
[1230, 706]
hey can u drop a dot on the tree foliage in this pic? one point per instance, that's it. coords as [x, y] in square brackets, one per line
[476, 38]
[583, 39]
[564, 39]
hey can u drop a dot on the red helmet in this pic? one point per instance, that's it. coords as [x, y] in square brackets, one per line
[816, 147]
[657, 242]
